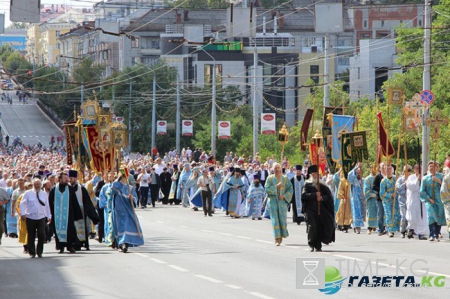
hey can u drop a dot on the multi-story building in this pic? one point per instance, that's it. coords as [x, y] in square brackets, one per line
[374, 27]
[372, 67]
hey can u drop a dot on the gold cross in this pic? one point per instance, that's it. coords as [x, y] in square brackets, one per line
[435, 121]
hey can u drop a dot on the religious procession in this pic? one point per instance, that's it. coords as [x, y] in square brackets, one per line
[92, 188]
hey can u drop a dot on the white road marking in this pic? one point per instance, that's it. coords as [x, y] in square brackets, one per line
[348, 257]
[208, 278]
[207, 231]
[157, 261]
[182, 226]
[141, 254]
[159, 221]
[178, 268]
[242, 237]
[259, 295]
[263, 241]
[232, 286]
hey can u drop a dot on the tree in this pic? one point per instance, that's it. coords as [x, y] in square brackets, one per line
[18, 25]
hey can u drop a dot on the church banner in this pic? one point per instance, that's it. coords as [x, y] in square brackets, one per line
[101, 150]
[339, 124]
[161, 127]
[70, 132]
[387, 150]
[224, 130]
[268, 123]
[304, 130]
[327, 145]
[187, 128]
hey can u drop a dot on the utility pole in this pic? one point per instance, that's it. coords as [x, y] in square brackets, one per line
[129, 118]
[326, 73]
[426, 83]
[82, 90]
[255, 106]
[177, 125]
[213, 112]
[154, 112]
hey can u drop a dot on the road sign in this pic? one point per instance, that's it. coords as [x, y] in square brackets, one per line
[8, 81]
[427, 97]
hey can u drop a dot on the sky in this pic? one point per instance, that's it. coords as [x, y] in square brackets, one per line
[5, 5]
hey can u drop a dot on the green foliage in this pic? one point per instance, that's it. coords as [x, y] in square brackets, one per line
[18, 25]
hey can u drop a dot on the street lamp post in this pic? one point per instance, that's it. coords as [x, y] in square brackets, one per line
[213, 106]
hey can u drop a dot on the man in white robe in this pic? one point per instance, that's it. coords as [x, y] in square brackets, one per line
[416, 212]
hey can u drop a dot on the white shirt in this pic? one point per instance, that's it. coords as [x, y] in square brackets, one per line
[31, 208]
[158, 168]
[145, 178]
[3, 183]
[189, 153]
[207, 181]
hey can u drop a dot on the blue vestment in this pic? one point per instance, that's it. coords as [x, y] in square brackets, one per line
[126, 227]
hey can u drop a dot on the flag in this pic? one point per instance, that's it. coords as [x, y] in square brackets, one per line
[304, 130]
[125, 172]
[387, 150]
[339, 124]
[353, 150]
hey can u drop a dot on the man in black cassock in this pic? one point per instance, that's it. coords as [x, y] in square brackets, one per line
[87, 210]
[166, 182]
[62, 197]
[319, 209]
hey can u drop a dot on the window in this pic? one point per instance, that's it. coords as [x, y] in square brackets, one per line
[382, 23]
[365, 23]
[135, 42]
[359, 73]
[420, 22]
[382, 35]
[280, 75]
[314, 70]
[267, 74]
[149, 43]
[209, 72]
[58, 46]
[364, 36]
[58, 33]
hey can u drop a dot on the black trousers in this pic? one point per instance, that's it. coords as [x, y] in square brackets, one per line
[32, 227]
[144, 196]
[154, 193]
[207, 202]
[101, 224]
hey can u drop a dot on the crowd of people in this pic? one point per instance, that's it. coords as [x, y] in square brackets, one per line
[41, 196]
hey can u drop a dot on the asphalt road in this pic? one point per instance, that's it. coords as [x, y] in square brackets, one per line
[26, 121]
[189, 256]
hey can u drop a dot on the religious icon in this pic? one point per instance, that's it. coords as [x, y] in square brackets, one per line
[105, 135]
[395, 96]
[118, 139]
[103, 121]
[358, 141]
[89, 110]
